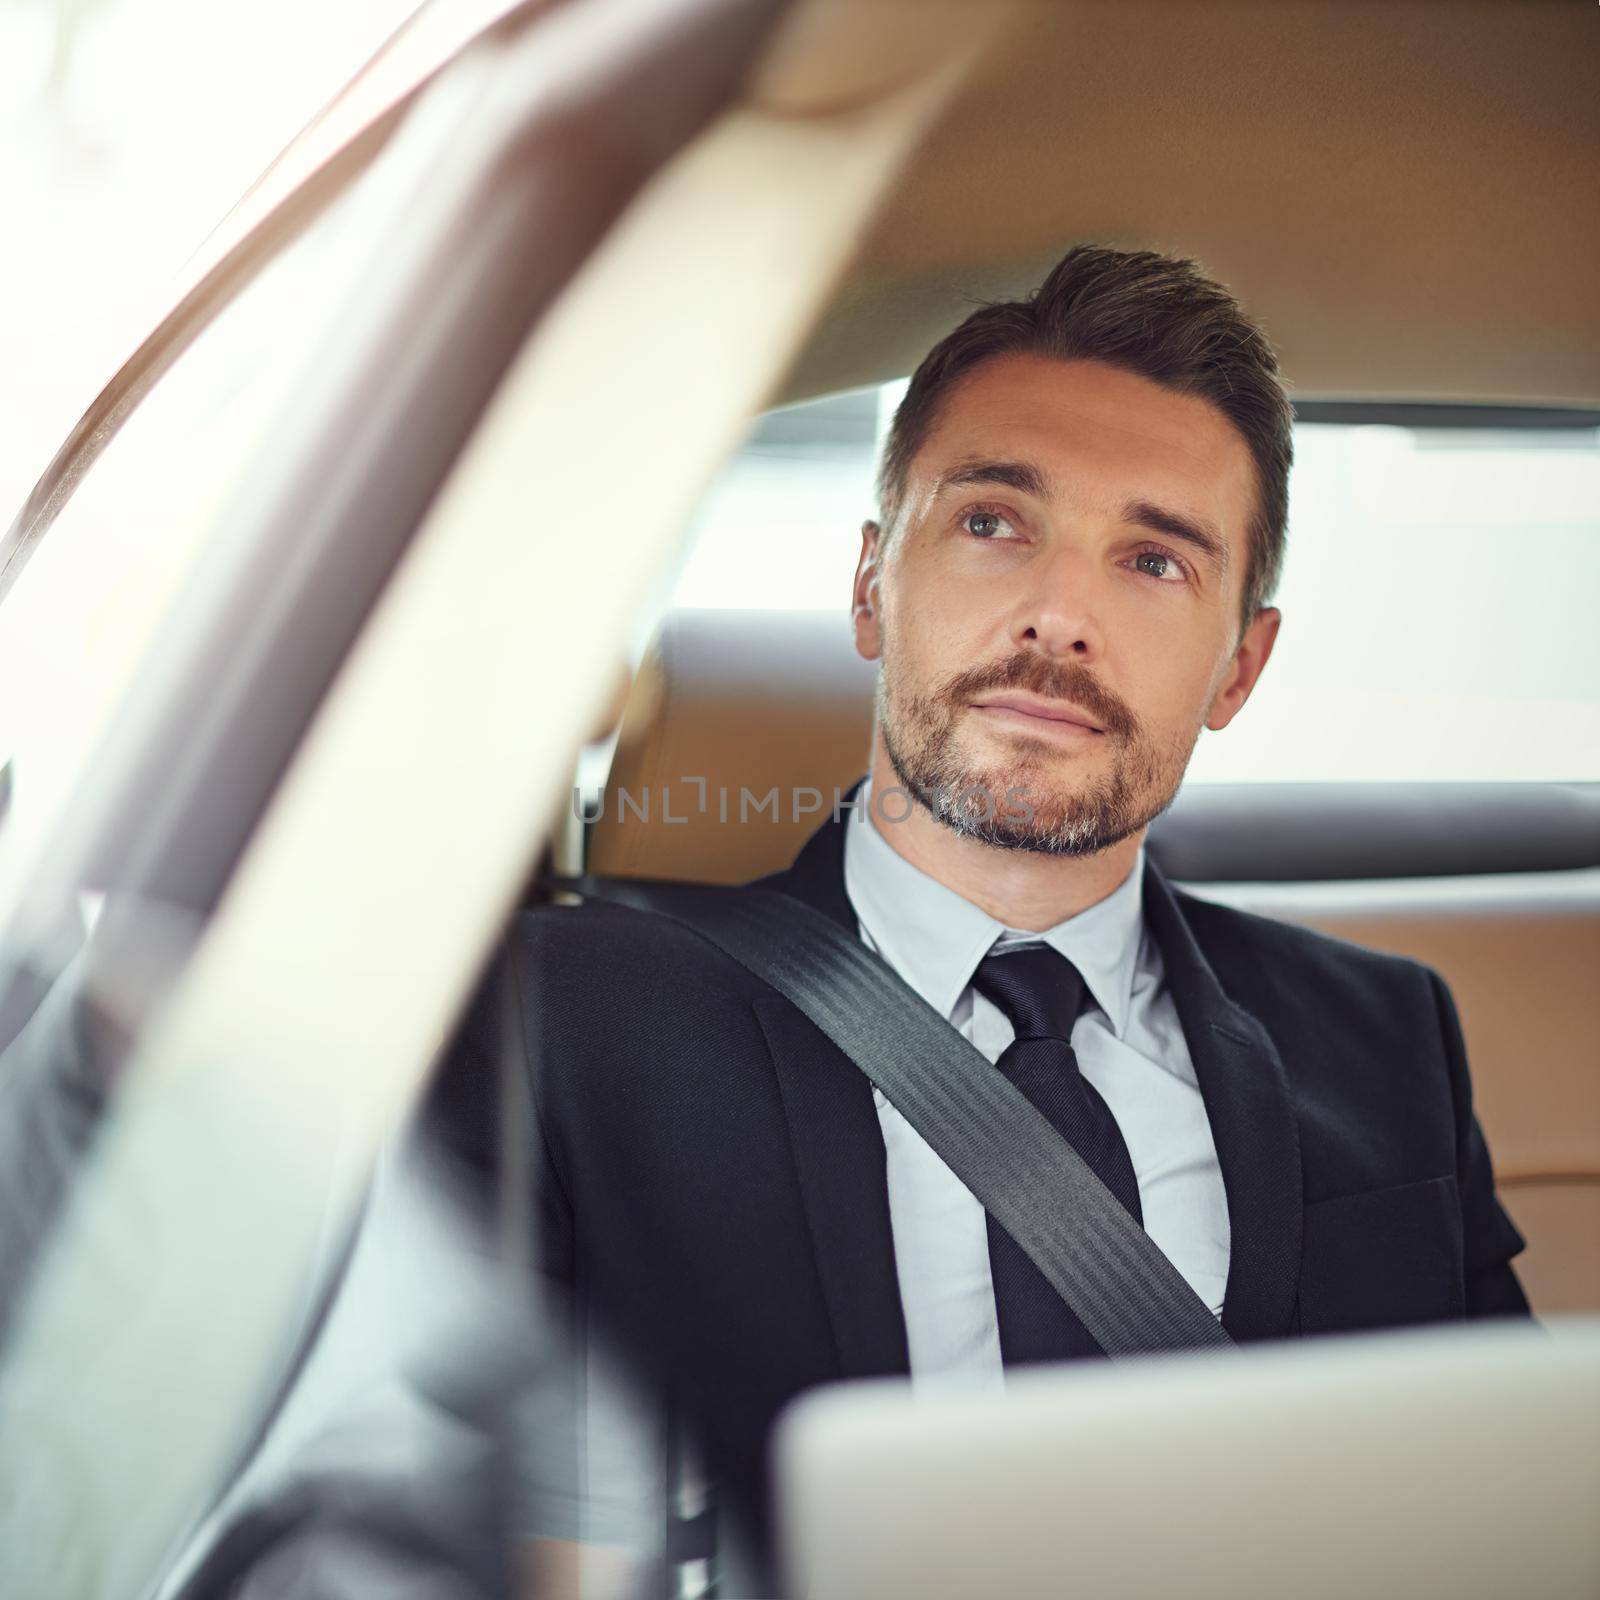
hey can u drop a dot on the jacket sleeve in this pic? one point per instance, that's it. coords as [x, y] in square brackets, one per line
[483, 1118]
[483, 1111]
[1489, 1237]
[586, 1458]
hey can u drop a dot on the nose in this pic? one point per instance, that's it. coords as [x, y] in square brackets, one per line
[1056, 609]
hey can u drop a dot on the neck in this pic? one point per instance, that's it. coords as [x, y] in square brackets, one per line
[1021, 888]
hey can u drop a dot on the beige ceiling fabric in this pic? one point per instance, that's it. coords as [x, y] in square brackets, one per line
[1402, 191]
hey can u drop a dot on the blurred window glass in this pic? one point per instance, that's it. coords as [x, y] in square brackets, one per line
[128, 129]
[96, 588]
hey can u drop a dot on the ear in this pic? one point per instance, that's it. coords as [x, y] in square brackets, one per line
[1249, 660]
[865, 607]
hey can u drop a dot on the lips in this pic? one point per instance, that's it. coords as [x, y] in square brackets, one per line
[1044, 710]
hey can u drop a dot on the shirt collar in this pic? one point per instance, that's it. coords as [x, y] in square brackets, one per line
[934, 938]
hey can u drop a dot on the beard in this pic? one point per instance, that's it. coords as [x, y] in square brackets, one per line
[1023, 801]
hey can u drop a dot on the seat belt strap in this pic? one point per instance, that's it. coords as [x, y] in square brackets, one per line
[1028, 1178]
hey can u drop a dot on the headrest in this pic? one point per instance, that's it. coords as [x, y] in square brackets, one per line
[743, 727]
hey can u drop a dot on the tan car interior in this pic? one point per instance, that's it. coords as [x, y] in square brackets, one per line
[1404, 195]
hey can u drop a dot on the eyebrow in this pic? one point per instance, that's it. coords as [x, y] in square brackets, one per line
[976, 471]
[1026, 478]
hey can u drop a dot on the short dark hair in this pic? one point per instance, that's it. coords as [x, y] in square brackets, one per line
[1154, 315]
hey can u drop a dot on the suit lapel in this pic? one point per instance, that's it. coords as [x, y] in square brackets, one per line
[837, 1144]
[1246, 1094]
[841, 1166]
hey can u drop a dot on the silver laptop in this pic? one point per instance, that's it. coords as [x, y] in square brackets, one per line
[1460, 1462]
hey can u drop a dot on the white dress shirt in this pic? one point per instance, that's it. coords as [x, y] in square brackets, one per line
[1129, 1044]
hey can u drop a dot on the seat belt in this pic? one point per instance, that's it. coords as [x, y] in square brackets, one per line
[1027, 1176]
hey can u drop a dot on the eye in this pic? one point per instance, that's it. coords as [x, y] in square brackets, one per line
[1164, 567]
[985, 522]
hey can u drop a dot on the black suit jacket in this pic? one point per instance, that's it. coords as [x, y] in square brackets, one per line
[713, 1177]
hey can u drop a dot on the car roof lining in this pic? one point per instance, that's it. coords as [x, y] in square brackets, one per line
[1403, 194]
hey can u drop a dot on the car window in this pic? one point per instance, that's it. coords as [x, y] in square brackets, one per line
[94, 588]
[1438, 594]
[131, 127]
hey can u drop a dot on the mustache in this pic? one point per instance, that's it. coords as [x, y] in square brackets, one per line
[1050, 680]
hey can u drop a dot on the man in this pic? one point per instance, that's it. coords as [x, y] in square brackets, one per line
[1083, 505]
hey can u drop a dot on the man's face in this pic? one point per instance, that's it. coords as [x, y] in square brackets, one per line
[1057, 610]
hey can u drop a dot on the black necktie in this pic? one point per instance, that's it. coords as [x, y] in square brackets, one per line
[1041, 992]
